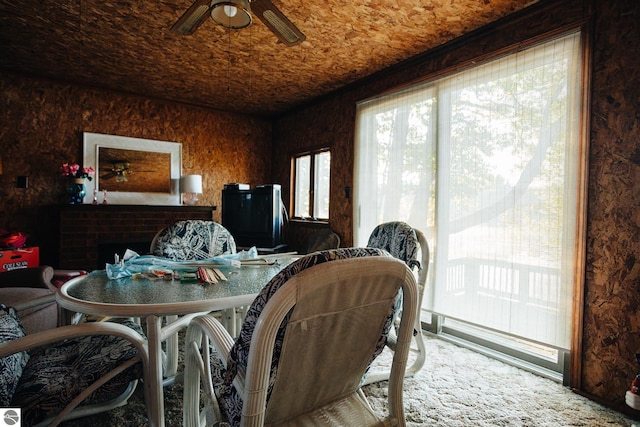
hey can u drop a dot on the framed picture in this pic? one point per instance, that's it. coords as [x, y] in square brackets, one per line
[133, 171]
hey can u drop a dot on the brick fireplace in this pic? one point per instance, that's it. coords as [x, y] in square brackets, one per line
[90, 235]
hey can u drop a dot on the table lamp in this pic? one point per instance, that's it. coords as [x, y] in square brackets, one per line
[190, 187]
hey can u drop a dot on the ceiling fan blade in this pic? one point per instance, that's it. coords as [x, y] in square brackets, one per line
[192, 18]
[279, 24]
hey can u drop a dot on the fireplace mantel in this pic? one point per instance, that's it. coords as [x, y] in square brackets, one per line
[90, 235]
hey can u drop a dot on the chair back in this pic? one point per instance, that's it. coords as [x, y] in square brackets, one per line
[314, 331]
[192, 240]
[403, 241]
[320, 240]
[399, 239]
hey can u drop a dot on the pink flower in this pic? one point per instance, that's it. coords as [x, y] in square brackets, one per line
[75, 171]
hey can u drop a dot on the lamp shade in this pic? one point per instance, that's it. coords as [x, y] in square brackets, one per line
[233, 14]
[191, 184]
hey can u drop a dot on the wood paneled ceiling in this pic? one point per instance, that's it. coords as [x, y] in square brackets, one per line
[126, 45]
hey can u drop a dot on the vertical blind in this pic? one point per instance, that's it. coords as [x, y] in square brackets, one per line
[484, 162]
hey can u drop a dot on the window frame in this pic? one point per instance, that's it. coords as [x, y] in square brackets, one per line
[572, 365]
[312, 184]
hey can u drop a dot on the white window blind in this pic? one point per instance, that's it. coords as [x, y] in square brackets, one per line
[484, 162]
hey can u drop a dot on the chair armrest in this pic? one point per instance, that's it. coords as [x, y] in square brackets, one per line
[197, 366]
[222, 342]
[32, 277]
[60, 277]
[34, 302]
[219, 337]
[51, 336]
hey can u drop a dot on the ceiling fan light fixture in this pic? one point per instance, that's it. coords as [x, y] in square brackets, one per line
[192, 18]
[281, 26]
[230, 11]
[277, 22]
[234, 14]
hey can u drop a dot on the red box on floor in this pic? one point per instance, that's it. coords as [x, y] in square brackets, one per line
[14, 259]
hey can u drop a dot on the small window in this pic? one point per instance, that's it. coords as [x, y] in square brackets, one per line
[311, 172]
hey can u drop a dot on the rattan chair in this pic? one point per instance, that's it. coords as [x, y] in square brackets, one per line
[69, 371]
[190, 240]
[407, 244]
[305, 346]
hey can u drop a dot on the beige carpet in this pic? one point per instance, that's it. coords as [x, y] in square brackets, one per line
[457, 387]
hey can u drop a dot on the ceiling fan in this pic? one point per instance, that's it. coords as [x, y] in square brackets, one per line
[236, 14]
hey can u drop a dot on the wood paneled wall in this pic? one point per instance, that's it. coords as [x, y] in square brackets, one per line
[611, 329]
[611, 332]
[41, 125]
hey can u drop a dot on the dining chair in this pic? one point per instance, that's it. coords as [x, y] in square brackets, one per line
[305, 346]
[320, 240]
[69, 371]
[189, 240]
[409, 245]
[192, 240]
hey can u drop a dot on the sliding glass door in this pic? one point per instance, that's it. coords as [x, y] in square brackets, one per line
[485, 163]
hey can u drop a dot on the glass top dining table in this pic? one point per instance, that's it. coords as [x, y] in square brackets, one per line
[140, 295]
[167, 306]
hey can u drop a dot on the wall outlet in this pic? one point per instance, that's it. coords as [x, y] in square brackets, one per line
[22, 182]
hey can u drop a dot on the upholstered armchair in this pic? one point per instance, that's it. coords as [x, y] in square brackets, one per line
[26, 289]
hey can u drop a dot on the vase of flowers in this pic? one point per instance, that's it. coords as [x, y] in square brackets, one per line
[77, 175]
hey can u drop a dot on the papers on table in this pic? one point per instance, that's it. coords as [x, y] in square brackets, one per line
[210, 275]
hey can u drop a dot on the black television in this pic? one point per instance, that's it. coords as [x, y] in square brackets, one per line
[254, 217]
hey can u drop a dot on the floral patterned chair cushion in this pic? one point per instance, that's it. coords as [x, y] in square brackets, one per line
[11, 366]
[230, 401]
[399, 239]
[193, 240]
[45, 380]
